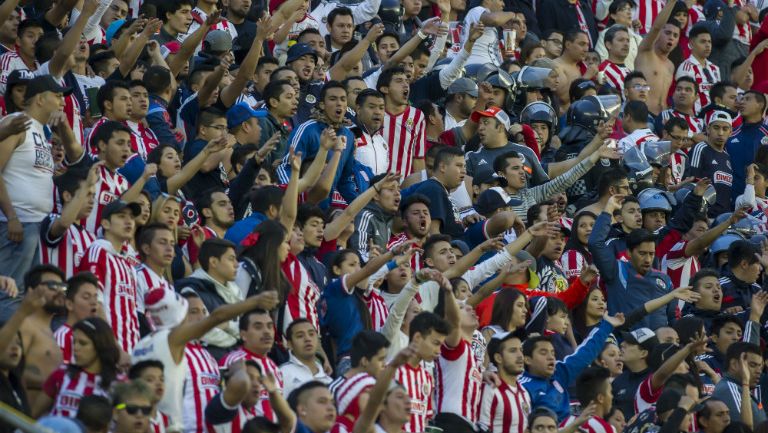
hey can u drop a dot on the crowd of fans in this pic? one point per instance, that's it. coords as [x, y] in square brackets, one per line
[304, 216]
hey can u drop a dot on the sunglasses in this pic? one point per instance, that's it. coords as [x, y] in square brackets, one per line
[133, 409]
[58, 286]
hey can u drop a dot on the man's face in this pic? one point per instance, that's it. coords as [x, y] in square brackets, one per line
[543, 424]
[315, 41]
[411, 8]
[498, 96]
[238, 8]
[132, 417]
[684, 95]
[654, 220]
[121, 105]
[718, 133]
[514, 173]
[389, 197]
[631, 217]
[678, 138]
[12, 356]
[751, 106]
[619, 47]
[642, 257]
[419, 66]
[304, 67]
[263, 74]
[719, 417]
[161, 249]
[441, 256]
[180, 20]
[730, 96]
[632, 352]
[418, 219]
[260, 334]
[755, 366]
[454, 171]
[139, 102]
[398, 90]
[711, 294]
[341, 29]
[9, 29]
[303, 342]
[511, 355]
[637, 90]
[354, 87]
[118, 10]
[701, 46]
[214, 130]
[256, 391]
[318, 410]
[730, 333]
[578, 49]
[313, 232]
[553, 249]
[387, 46]
[287, 103]
[222, 213]
[335, 104]
[488, 130]
[371, 113]
[86, 302]
[155, 378]
[670, 34]
[554, 45]
[121, 225]
[428, 345]
[196, 311]
[542, 361]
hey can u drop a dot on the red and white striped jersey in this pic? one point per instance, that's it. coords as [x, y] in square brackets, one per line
[160, 423]
[646, 396]
[401, 238]
[458, 382]
[677, 165]
[143, 140]
[645, 12]
[201, 384]
[72, 108]
[695, 125]
[705, 75]
[583, 25]
[90, 147]
[695, 14]
[406, 135]
[636, 138]
[505, 409]
[67, 391]
[146, 280]
[419, 385]
[743, 32]
[347, 391]
[67, 251]
[594, 424]
[9, 62]
[198, 19]
[614, 74]
[63, 336]
[110, 186]
[680, 267]
[263, 408]
[302, 299]
[342, 425]
[236, 425]
[117, 281]
[378, 309]
[573, 262]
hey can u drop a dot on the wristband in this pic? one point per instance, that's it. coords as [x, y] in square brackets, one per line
[421, 35]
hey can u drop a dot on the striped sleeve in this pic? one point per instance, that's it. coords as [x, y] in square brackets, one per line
[361, 237]
[297, 142]
[560, 183]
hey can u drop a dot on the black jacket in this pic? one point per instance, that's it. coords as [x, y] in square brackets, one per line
[561, 15]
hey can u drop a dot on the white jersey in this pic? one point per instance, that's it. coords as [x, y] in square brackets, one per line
[9, 62]
[458, 382]
[28, 176]
[373, 152]
[486, 48]
[637, 138]
[155, 346]
[201, 384]
[146, 280]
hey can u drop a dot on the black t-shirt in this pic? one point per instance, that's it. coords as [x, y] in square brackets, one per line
[706, 161]
[441, 208]
[624, 389]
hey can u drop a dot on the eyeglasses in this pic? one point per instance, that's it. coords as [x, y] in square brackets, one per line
[218, 127]
[643, 87]
[555, 41]
[678, 137]
[133, 409]
[58, 286]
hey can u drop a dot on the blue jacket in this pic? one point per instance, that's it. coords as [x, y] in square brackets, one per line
[552, 392]
[306, 139]
[626, 288]
[244, 227]
[742, 147]
[160, 122]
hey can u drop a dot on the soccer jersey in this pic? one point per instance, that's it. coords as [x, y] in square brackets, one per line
[645, 12]
[63, 337]
[594, 424]
[65, 252]
[458, 382]
[505, 408]
[67, 390]
[117, 281]
[614, 74]
[400, 238]
[705, 161]
[347, 391]
[680, 267]
[695, 125]
[263, 408]
[201, 384]
[406, 135]
[419, 385]
[637, 138]
[110, 186]
[302, 299]
[705, 75]
[146, 280]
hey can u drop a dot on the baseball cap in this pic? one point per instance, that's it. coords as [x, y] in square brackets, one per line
[500, 337]
[719, 116]
[217, 41]
[240, 112]
[118, 206]
[19, 76]
[490, 200]
[463, 85]
[642, 337]
[494, 112]
[45, 83]
[298, 50]
[461, 245]
[670, 399]
[487, 177]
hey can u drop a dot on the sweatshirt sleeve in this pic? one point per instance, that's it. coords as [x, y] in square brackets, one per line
[603, 257]
[397, 312]
[569, 368]
[482, 271]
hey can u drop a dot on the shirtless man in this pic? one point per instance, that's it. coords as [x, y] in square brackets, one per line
[653, 58]
[572, 64]
[42, 354]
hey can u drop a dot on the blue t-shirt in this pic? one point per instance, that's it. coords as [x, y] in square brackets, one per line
[339, 314]
[441, 208]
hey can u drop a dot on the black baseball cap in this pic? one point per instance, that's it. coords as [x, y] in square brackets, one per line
[118, 206]
[298, 50]
[45, 83]
[670, 399]
[490, 200]
[19, 76]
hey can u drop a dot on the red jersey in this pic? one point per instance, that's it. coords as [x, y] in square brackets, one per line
[401, 238]
[594, 425]
[378, 309]
[110, 186]
[459, 380]
[680, 267]
[646, 12]
[67, 391]
[160, 423]
[146, 280]
[614, 74]
[302, 299]
[705, 75]
[505, 409]
[347, 391]
[63, 336]
[573, 262]
[65, 252]
[263, 408]
[695, 125]
[406, 135]
[117, 281]
[242, 416]
[200, 386]
[419, 385]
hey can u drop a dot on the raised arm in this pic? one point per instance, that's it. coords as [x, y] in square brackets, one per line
[191, 43]
[696, 346]
[288, 207]
[335, 227]
[188, 171]
[658, 24]
[130, 55]
[374, 264]
[432, 26]
[71, 39]
[286, 417]
[602, 256]
[365, 423]
[352, 57]
[740, 72]
[229, 94]
[699, 245]
[71, 209]
[133, 192]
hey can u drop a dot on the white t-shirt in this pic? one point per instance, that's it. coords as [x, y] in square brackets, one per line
[486, 49]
